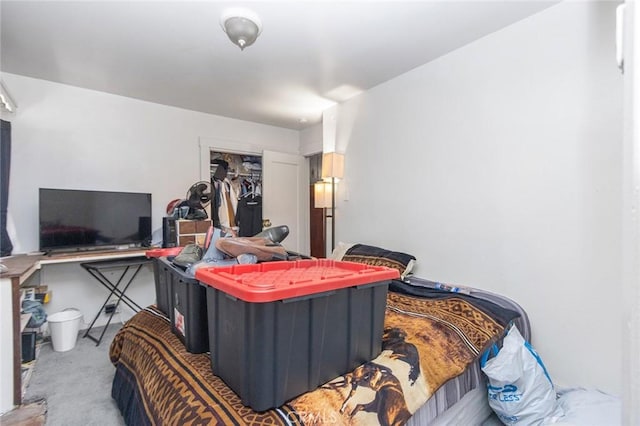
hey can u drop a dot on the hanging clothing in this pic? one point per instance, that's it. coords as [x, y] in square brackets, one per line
[249, 216]
[228, 204]
[215, 203]
[6, 247]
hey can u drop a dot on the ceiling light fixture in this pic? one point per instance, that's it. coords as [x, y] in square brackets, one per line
[242, 26]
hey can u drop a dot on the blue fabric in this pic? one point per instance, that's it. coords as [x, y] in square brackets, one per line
[38, 314]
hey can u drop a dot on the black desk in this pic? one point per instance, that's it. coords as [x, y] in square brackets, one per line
[95, 269]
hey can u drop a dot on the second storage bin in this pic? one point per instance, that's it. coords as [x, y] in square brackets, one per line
[162, 276]
[187, 306]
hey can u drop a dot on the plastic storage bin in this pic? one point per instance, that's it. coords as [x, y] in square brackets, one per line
[160, 274]
[187, 306]
[280, 329]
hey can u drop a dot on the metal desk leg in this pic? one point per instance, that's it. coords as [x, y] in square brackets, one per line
[114, 289]
[121, 297]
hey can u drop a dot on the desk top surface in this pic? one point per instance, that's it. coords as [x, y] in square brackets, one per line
[116, 262]
[20, 264]
[91, 256]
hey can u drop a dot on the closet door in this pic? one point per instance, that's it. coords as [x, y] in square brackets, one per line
[285, 198]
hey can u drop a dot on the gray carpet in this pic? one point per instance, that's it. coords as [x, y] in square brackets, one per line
[77, 384]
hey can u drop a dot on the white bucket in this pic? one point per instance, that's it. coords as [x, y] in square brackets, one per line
[64, 328]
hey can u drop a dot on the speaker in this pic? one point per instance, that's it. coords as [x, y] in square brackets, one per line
[169, 236]
[144, 230]
[28, 346]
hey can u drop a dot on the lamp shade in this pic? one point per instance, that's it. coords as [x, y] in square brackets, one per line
[332, 165]
[322, 195]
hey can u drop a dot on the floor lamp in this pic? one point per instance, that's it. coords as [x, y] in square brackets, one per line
[332, 171]
[322, 199]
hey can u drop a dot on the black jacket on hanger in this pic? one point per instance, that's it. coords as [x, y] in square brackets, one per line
[249, 216]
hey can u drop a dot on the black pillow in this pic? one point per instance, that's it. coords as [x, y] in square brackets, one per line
[376, 256]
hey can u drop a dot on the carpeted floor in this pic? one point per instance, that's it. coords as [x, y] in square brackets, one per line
[77, 384]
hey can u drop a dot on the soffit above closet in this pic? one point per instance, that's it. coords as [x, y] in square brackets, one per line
[310, 54]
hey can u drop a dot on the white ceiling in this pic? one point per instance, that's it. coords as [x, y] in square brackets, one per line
[310, 54]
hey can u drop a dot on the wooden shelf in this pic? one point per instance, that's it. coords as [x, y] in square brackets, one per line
[192, 231]
[24, 319]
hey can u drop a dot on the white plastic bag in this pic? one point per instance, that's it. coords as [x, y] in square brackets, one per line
[519, 388]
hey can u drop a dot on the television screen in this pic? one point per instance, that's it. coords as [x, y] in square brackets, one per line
[77, 219]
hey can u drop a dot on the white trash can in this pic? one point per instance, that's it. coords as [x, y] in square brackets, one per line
[64, 328]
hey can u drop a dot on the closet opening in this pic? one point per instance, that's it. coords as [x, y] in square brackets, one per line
[236, 178]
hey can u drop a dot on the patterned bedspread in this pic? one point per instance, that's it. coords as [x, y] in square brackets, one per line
[427, 341]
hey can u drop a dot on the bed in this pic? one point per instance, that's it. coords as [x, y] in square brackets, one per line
[427, 372]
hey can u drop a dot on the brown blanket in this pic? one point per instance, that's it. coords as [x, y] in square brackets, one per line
[426, 342]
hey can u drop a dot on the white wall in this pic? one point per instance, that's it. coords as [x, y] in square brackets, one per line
[499, 166]
[311, 140]
[631, 227]
[67, 137]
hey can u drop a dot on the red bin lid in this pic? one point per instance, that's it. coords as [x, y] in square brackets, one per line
[163, 252]
[271, 281]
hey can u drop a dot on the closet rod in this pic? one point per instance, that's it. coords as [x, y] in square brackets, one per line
[254, 175]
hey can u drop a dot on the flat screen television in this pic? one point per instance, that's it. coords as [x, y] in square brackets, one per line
[73, 220]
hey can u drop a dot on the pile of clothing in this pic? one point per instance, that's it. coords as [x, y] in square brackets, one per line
[222, 249]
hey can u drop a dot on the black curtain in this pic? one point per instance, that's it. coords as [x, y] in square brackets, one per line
[5, 162]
